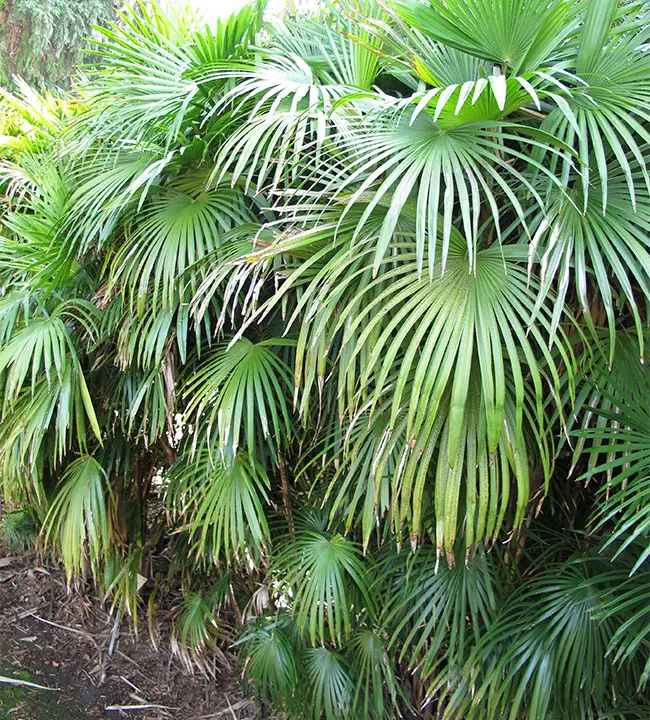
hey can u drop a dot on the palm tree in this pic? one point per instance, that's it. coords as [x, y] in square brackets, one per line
[345, 315]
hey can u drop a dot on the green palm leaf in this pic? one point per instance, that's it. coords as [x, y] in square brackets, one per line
[223, 503]
[432, 170]
[331, 683]
[329, 578]
[376, 688]
[107, 185]
[176, 228]
[610, 112]
[518, 34]
[240, 388]
[78, 520]
[434, 615]
[464, 343]
[146, 66]
[271, 668]
[344, 51]
[578, 246]
[625, 442]
[526, 664]
[627, 607]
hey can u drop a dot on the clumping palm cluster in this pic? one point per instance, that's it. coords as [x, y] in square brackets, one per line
[337, 324]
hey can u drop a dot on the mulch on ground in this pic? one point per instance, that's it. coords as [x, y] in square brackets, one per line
[67, 640]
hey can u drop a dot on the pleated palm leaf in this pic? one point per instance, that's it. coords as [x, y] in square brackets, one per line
[352, 305]
[532, 669]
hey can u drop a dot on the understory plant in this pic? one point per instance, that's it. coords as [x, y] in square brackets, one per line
[333, 327]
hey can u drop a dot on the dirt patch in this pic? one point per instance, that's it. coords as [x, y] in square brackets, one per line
[100, 670]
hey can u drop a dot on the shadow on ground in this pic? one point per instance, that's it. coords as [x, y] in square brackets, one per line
[65, 640]
[66, 702]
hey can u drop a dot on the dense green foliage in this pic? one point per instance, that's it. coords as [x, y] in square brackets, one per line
[43, 40]
[338, 324]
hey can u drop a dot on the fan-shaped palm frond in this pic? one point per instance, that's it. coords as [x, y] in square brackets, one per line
[38, 429]
[464, 166]
[343, 51]
[121, 581]
[625, 441]
[231, 286]
[34, 251]
[154, 61]
[577, 247]
[108, 184]
[147, 68]
[176, 228]
[331, 683]
[222, 503]
[288, 97]
[239, 389]
[271, 668]
[376, 689]
[465, 344]
[196, 629]
[434, 614]
[602, 386]
[329, 579]
[41, 354]
[359, 465]
[44, 344]
[146, 403]
[78, 520]
[525, 664]
[627, 607]
[288, 111]
[518, 34]
[228, 37]
[609, 114]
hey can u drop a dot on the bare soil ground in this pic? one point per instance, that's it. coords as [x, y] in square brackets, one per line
[68, 642]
